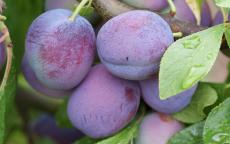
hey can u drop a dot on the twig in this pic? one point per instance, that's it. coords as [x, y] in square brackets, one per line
[110, 8]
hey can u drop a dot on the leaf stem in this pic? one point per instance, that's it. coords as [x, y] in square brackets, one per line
[77, 10]
[178, 34]
[172, 7]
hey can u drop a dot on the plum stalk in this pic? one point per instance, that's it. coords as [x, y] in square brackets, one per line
[172, 8]
[78, 9]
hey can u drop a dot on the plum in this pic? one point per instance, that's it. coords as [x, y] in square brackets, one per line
[65, 4]
[219, 71]
[155, 5]
[131, 44]
[45, 126]
[33, 81]
[103, 104]
[150, 93]
[2, 55]
[219, 18]
[60, 51]
[185, 13]
[157, 128]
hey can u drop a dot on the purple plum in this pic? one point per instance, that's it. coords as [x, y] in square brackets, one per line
[33, 81]
[150, 93]
[45, 126]
[2, 55]
[131, 44]
[155, 5]
[157, 128]
[64, 4]
[219, 18]
[185, 13]
[60, 51]
[103, 104]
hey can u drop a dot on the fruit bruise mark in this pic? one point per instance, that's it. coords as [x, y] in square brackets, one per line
[129, 93]
[61, 52]
[164, 117]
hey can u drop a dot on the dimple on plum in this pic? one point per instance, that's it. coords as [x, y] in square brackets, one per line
[60, 51]
[103, 104]
[131, 44]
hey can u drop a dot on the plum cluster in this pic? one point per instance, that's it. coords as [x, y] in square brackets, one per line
[104, 98]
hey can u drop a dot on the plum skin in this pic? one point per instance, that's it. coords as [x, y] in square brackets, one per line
[34, 83]
[60, 52]
[155, 5]
[150, 93]
[2, 55]
[157, 128]
[185, 13]
[219, 18]
[55, 4]
[103, 104]
[131, 45]
[45, 126]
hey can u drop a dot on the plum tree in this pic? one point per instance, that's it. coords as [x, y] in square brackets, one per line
[185, 13]
[155, 5]
[60, 51]
[157, 128]
[2, 55]
[33, 81]
[150, 93]
[131, 45]
[103, 104]
[64, 4]
[45, 126]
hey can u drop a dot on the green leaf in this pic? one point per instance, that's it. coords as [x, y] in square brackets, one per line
[6, 101]
[17, 136]
[61, 115]
[87, 11]
[20, 14]
[86, 140]
[217, 125]
[223, 3]
[125, 136]
[223, 92]
[205, 96]
[189, 60]
[227, 36]
[189, 135]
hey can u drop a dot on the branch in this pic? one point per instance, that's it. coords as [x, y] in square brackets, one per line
[110, 8]
[2, 5]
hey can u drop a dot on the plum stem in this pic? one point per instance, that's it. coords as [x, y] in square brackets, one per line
[172, 8]
[77, 10]
[90, 3]
[225, 14]
[178, 34]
